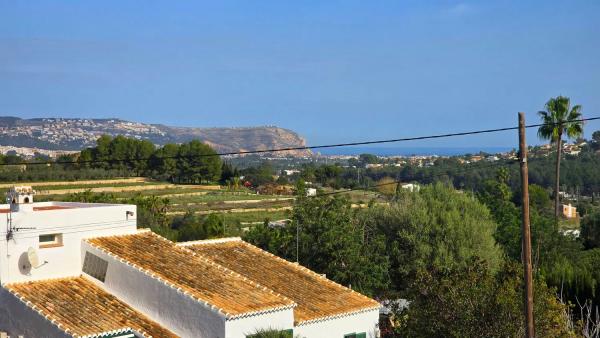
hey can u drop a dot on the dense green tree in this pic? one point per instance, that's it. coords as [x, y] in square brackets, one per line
[198, 161]
[596, 140]
[260, 175]
[192, 227]
[164, 162]
[539, 199]
[470, 301]
[101, 152]
[142, 151]
[559, 120]
[497, 197]
[10, 159]
[590, 230]
[368, 159]
[228, 172]
[329, 175]
[437, 227]
[325, 236]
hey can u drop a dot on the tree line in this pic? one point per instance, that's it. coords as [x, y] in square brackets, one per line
[191, 162]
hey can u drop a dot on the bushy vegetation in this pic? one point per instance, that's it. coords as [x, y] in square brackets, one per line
[454, 254]
[472, 302]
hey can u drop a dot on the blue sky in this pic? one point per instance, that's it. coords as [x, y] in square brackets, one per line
[334, 71]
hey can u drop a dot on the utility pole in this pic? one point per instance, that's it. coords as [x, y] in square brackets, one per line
[526, 231]
[297, 242]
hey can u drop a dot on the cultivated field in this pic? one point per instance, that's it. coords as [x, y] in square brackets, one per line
[240, 209]
[237, 207]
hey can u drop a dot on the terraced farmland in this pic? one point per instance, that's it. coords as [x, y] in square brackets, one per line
[236, 207]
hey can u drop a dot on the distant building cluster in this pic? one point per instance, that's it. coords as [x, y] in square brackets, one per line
[31, 152]
[62, 131]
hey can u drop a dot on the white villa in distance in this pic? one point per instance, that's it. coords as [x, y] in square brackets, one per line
[85, 270]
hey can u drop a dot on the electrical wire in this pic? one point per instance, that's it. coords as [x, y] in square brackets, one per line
[414, 178]
[248, 152]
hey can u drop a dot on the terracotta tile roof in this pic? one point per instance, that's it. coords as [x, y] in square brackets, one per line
[204, 280]
[316, 296]
[79, 307]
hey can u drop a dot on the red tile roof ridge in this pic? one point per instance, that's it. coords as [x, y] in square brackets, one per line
[291, 303]
[337, 315]
[372, 304]
[210, 241]
[307, 270]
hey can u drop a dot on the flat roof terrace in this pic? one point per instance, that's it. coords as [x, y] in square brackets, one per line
[48, 206]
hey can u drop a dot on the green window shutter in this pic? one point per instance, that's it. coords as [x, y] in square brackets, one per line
[350, 335]
[361, 335]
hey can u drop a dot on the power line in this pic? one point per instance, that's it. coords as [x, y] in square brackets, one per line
[396, 182]
[337, 145]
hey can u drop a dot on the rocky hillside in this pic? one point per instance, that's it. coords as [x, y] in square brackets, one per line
[76, 134]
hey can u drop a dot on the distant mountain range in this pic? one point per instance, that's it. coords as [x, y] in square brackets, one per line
[76, 134]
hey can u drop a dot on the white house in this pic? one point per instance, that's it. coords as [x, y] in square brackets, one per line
[85, 270]
[412, 187]
[569, 211]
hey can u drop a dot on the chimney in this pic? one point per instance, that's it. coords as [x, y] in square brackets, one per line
[20, 198]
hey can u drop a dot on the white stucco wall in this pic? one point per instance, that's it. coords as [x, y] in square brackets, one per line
[83, 221]
[18, 319]
[367, 321]
[174, 310]
[239, 328]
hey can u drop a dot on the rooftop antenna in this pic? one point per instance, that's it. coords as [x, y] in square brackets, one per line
[19, 198]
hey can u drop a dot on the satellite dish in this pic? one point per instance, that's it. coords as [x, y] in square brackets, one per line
[34, 259]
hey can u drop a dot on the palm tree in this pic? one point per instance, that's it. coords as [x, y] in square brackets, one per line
[559, 119]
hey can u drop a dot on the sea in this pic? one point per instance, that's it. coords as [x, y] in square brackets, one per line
[411, 151]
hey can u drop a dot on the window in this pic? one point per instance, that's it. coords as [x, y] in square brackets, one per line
[95, 266]
[50, 241]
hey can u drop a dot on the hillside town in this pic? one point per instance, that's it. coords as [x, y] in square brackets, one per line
[61, 132]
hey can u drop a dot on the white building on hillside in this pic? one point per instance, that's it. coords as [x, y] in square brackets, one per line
[85, 270]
